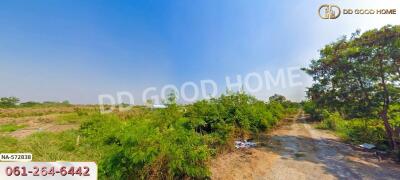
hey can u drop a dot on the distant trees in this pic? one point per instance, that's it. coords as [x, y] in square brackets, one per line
[278, 98]
[29, 104]
[7, 102]
[359, 76]
[12, 102]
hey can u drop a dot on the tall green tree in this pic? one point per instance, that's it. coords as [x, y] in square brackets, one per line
[359, 76]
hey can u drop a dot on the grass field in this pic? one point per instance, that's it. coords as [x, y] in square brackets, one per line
[10, 127]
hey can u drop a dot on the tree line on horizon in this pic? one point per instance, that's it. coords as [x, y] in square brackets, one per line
[12, 102]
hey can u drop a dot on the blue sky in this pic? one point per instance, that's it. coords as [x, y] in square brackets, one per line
[76, 50]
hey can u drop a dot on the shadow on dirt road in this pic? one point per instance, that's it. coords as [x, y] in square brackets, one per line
[296, 150]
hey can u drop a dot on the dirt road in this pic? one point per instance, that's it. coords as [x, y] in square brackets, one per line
[296, 150]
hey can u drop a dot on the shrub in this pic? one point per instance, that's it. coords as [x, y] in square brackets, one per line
[176, 142]
[330, 120]
[355, 130]
[364, 131]
[311, 108]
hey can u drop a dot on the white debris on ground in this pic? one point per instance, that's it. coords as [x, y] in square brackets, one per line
[367, 146]
[158, 106]
[244, 144]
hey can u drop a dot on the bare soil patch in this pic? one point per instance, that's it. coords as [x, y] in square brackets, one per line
[296, 150]
[36, 124]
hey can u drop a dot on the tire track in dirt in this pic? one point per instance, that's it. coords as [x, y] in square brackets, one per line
[296, 150]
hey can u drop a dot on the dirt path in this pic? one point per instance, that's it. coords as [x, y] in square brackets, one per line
[298, 151]
[35, 124]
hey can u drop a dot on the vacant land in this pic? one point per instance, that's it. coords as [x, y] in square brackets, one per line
[292, 149]
[22, 122]
[178, 141]
[296, 150]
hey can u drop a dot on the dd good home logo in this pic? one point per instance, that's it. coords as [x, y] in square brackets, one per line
[328, 11]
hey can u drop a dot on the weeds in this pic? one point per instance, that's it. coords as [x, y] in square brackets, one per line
[10, 127]
[176, 142]
[355, 130]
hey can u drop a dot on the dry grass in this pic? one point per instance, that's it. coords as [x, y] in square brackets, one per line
[22, 122]
[40, 111]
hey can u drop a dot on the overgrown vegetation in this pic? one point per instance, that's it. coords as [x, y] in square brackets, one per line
[10, 127]
[357, 130]
[175, 142]
[46, 110]
[356, 88]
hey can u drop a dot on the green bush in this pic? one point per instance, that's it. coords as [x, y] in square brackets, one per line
[364, 131]
[355, 130]
[176, 142]
[235, 110]
[311, 108]
[141, 149]
[330, 120]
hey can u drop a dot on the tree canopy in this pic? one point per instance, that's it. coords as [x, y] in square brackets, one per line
[359, 76]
